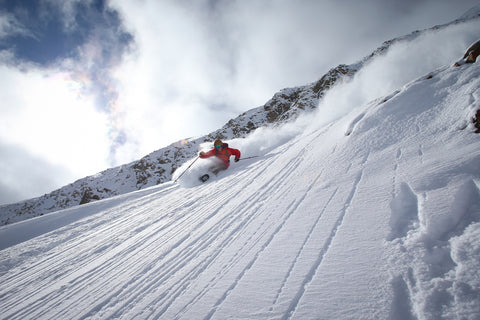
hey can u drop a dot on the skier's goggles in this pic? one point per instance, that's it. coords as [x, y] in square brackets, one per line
[218, 147]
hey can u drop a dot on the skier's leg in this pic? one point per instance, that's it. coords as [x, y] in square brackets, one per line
[217, 168]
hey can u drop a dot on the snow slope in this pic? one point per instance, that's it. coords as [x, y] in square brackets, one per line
[375, 215]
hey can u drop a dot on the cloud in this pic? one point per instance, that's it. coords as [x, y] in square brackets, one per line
[10, 26]
[55, 120]
[58, 96]
[48, 31]
[82, 38]
[25, 175]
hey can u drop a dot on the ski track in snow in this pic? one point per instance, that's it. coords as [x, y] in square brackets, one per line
[323, 252]
[292, 266]
[291, 209]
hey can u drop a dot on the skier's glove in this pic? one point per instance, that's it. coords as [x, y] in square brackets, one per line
[202, 153]
[236, 159]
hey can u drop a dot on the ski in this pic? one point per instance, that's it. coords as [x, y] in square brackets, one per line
[204, 178]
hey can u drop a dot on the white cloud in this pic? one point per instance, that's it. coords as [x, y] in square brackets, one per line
[47, 115]
[25, 175]
[169, 88]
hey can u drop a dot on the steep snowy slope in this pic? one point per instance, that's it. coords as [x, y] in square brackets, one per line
[375, 215]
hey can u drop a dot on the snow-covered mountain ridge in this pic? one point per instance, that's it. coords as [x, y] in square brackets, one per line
[158, 167]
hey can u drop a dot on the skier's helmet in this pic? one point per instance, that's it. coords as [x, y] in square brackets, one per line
[217, 143]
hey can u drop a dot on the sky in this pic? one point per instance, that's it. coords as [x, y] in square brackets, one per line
[87, 85]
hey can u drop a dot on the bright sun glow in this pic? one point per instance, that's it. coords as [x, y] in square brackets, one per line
[56, 121]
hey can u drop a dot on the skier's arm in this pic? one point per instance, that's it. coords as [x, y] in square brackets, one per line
[208, 154]
[236, 153]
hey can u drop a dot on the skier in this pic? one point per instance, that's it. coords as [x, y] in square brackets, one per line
[222, 153]
[471, 55]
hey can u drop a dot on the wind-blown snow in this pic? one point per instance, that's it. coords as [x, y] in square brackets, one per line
[375, 215]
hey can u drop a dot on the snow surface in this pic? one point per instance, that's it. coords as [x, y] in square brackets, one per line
[375, 215]
[368, 208]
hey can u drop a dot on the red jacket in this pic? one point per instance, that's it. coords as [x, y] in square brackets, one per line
[224, 154]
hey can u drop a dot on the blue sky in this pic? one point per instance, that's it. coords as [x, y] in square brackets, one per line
[86, 85]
